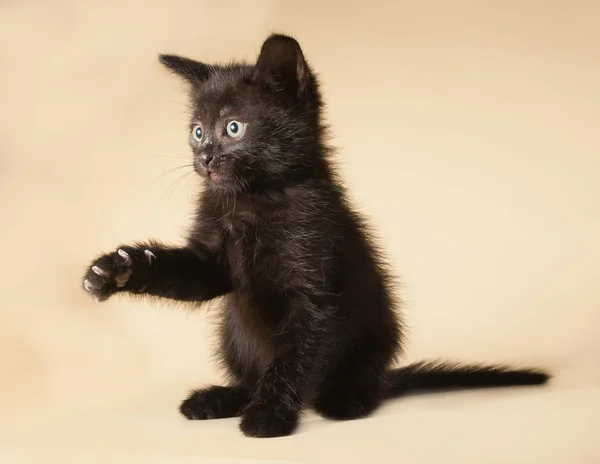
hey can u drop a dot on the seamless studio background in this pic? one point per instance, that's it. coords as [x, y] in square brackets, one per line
[466, 131]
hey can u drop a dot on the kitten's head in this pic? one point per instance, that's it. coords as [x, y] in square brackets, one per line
[253, 126]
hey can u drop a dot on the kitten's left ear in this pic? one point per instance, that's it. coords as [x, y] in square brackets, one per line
[190, 70]
[281, 65]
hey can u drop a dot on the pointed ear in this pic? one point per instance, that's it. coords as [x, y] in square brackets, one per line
[190, 70]
[281, 65]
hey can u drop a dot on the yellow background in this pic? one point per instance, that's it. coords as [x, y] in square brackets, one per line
[467, 131]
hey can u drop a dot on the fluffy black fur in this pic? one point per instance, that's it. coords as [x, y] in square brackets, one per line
[309, 316]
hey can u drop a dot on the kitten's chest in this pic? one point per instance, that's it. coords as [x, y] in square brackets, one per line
[255, 250]
[269, 247]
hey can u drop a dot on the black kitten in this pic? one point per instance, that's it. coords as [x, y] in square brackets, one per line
[309, 318]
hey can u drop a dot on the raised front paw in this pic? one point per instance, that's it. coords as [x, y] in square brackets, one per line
[261, 421]
[124, 269]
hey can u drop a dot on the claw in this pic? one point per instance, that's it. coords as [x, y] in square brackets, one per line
[99, 271]
[87, 285]
[123, 254]
[149, 255]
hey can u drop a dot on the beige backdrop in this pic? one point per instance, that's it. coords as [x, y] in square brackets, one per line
[467, 131]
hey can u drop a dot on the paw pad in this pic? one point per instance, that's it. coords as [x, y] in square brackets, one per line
[112, 272]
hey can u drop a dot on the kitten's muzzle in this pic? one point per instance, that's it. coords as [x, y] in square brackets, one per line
[205, 159]
[205, 166]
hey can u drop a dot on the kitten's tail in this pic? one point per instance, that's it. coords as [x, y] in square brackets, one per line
[439, 375]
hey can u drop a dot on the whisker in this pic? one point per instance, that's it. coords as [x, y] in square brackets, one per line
[168, 171]
[173, 156]
[177, 181]
[191, 182]
[180, 103]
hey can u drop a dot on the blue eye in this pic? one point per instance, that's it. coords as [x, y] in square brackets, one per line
[197, 133]
[235, 129]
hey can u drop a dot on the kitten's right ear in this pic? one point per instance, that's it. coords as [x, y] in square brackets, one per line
[281, 65]
[190, 70]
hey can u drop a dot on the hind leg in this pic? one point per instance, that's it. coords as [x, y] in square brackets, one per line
[215, 403]
[351, 388]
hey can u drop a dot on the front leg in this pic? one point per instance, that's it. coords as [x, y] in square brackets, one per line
[183, 274]
[276, 404]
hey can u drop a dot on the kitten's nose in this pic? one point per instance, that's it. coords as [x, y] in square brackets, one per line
[206, 158]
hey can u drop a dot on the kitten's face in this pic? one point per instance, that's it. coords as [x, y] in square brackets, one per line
[237, 135]
[252, 126]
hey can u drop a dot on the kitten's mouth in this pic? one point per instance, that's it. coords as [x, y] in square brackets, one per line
[212, 175]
